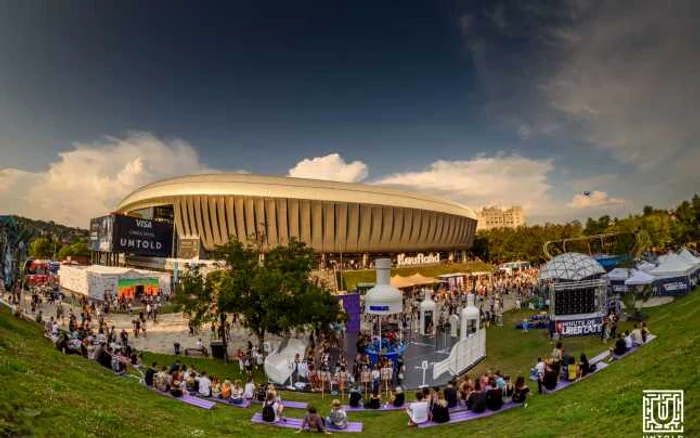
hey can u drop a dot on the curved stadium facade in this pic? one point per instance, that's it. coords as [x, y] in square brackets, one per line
[331, 217]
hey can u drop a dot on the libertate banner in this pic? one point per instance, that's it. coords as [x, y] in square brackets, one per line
[142, 236]
[579, 327]
[672, 286]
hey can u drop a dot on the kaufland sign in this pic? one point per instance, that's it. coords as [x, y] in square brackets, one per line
[419, 259]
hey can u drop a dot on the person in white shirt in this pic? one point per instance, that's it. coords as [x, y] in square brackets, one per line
[204, 388]
[636, 336]
[249, 390]
[418, 411]
[628, 340]
[540, 367]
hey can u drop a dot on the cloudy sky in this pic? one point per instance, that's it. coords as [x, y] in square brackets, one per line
[487, 103]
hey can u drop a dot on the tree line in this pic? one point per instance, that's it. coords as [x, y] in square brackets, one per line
[652, 229]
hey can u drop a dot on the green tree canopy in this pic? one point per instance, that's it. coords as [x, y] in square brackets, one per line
[273, 292]
[42, 248]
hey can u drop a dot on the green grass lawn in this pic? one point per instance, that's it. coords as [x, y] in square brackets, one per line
[44, 393]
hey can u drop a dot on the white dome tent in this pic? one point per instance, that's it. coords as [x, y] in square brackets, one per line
[577, 294]
[571, 266]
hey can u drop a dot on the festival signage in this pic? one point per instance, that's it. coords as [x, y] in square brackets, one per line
[419, 259]
[672, 286]
[101, 233]
[127, 286]
[142, 236]
[188, 248]
[578, 327]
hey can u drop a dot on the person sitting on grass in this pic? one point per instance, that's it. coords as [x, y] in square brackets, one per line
[150, 374]
[584, 367]
[620, 347]
[397, 398]
[571, 369]
[440, 413]
[637, 338]
[161, 379]
[215, 387]
[338, 418]
[204, 385]
[508, 389]
[226, 390]
[249, 390]
[191, 383]
[237, 393]
[375, 400]
[520, 391]
[355, 398]
[313, 422]
[551, 377]
[477, 399]
[418, 411]
[451, 395]
[466, 388]
[494, 396]
[273, 411]
[645, 332]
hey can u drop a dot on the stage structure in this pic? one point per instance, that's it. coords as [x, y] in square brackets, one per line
[577, 294]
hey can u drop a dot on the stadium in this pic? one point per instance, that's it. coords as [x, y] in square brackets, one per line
[331, 217]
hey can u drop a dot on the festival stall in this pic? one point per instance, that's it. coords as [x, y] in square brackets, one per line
[616, 280]
[672, 275]
[97, 281]
[638, 279]
[694, 260]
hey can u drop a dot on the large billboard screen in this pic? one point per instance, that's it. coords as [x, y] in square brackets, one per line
[142, 236]
[101, 233]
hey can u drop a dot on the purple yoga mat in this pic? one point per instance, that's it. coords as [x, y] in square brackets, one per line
[460, 417]
[295, 423]
[195, 401]
[245, 404]
[383, 408]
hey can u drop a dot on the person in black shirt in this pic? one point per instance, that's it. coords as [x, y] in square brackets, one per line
[550, 378]
[620, 346]
[150, 372]
[375, 400]
[397, 398]
[355, 398]
[584, 368]
[477, 400]
[494, 397]
[440, 412]
[451, 396]
[520, 391]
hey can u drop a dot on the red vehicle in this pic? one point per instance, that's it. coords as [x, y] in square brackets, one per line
[41, 273]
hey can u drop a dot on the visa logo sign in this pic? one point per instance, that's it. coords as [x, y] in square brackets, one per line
[143, 223]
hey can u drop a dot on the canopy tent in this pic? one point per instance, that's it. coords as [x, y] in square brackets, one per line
[645, 266]
[690, 257]
[616, 279]
[672, 265]
[673, 275]
[618, 274]
[414, 280]
[639, 278]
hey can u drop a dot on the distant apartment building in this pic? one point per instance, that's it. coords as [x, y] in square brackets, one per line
[496, 217]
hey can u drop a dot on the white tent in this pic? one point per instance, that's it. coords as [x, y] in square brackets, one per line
[93, 281]
[672, 265]
[639, 278]
[645, 266]
[690, 257]
[618, 274]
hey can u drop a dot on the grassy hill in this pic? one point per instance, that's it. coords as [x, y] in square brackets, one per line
[46, 394]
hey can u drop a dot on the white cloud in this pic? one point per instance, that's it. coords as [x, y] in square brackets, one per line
[505, 180]
[90, 179]
[330, 167]
[595, 198]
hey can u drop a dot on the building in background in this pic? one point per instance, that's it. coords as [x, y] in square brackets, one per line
[496, 217]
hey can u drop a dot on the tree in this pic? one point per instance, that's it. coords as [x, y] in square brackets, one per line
[273, 292]
[77, 249]
[42, 248]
